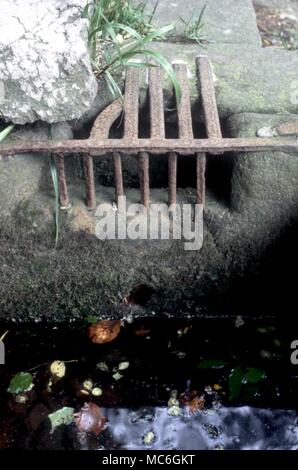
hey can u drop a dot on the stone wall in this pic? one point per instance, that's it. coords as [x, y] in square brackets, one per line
[250, 213]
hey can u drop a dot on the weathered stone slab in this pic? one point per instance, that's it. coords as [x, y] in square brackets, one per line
[264, 183]
[246, 79]
[45, 71]
[225, 21]
[22, 176]
[290, 7]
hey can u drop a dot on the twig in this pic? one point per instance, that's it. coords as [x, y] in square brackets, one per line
[49, 362]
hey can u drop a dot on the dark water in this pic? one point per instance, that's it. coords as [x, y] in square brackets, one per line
[238, 370]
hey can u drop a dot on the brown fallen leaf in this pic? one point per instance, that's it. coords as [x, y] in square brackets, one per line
[193, 401]
[104, 331]
[90, 419]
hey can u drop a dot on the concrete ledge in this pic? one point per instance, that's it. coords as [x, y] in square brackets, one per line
[225, 21]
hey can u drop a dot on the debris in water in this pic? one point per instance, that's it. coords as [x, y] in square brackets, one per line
[174, 411]
[90, 419]
[22, 382]
[104, 331]
[213, 431]
[63, 416]
[117, 376]
[123, 365]
[96, 392]
[21, 399]
[149, 438]
[217, 387]
[88, 385]
[103, 366]
[58, 369]
[193, 401]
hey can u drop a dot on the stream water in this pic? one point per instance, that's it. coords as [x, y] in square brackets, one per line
[161, 384]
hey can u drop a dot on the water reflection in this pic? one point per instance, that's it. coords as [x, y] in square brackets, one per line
[225, 428]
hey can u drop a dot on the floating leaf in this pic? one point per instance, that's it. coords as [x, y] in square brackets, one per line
[63, 416]
[21, 399]
[123, 365]
[235, 382]
[173, 402]
[217, 387]
[255, 375]
[104, 331]
[88, 384]
[196, 404]
[174, 411]
[90, 419]
[103, 366]
[192, 401]
[117, 376]
[211, 364]
[58, 369]
[149, 438]
[22, 382]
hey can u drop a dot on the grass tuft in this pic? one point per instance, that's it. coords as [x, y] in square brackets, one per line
[194, 26]
[119, 37]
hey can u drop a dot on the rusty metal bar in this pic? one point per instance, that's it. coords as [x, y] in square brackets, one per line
[105, 120]
[90, 186]
[184, 108]
[183, 146]
[99, 143]
[288, 128]
[63, 192]
[172, 178]
[207, 92]
[157, 117]
[185, 130]
[118, 176]
[131, 129]
[131, 104]
[200, 186]
[144, 178]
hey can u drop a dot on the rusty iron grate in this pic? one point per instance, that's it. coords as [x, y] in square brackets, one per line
[99, 142]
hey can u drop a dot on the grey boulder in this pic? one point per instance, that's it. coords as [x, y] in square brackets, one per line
[45, 70]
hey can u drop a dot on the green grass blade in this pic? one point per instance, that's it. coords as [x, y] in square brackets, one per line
[56, 191]
[153, 13]
[5, 132]
[168, 69]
